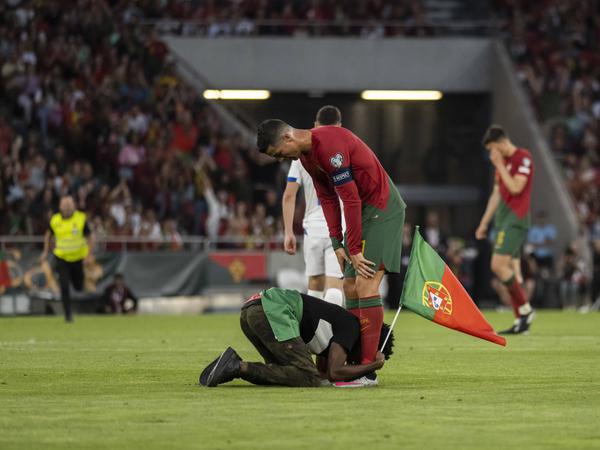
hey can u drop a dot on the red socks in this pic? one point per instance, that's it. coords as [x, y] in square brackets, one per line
[371, 319]
[369, 311]
[517, 294]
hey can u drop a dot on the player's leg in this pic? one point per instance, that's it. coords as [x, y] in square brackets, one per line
[508, 245]
[316, 285]
[293, 365]
[334, 283]
[370, 314]
[64, 278]
[382, 244]
[315, 269]
[502, 292]
[516, 265]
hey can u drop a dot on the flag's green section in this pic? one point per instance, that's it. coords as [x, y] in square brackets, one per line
[425, 265]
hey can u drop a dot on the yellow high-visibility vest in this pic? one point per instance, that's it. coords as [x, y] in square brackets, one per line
[71, 244]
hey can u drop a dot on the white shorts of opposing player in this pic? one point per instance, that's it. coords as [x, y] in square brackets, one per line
[320, 259]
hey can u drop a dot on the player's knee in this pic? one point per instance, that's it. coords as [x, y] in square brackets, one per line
[366, 287]
[500, 265]
[316, 282]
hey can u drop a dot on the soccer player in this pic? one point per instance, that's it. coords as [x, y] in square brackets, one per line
[74, 241]
[286, 327]
[322, 268]
[509, 205]
[340, 164]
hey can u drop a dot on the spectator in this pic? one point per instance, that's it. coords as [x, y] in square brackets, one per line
[541, 237]
[572, 276]
[118, 298]
[433, 233]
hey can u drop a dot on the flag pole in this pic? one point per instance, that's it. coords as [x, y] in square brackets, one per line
[391, 327]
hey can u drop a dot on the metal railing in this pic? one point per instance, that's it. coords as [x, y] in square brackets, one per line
[338, 28]
[136, 243]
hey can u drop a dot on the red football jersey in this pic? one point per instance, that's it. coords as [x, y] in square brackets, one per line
[520, 163]
[340, 163]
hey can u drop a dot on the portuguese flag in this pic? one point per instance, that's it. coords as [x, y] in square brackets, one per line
[432, 291]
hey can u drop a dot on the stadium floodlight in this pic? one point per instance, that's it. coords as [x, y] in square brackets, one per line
[401, 95]
[236, 94]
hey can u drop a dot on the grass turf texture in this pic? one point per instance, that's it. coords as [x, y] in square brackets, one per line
[131, 382]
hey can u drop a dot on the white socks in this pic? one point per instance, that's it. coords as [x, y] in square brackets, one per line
[313, 293]
[524, 309]
[334, 296]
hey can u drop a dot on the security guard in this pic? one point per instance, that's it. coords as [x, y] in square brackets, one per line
[73, 243]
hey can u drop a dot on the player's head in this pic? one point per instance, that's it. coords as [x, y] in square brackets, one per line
[118, 279]
[328, 115]
[495, 138]
[276, 138]
[66, 206]
[388, 350]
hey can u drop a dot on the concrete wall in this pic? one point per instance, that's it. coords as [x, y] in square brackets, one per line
[339, 64]
[512, 110]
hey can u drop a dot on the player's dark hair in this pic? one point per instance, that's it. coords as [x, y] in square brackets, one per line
[388, 350]
[268, 133]
[329, 115]
[494, 133]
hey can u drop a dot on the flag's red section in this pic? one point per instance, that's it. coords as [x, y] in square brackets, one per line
[465, 316]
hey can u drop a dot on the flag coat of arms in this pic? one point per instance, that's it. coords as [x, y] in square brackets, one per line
[433, 291]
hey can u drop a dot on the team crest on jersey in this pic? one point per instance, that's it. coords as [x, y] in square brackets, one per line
[526, 162]
[436, 296]
[337, 160]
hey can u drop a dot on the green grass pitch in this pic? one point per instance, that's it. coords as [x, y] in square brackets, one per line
[131, 382]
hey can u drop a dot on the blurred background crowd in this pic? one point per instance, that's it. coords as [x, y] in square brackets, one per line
[91, 104]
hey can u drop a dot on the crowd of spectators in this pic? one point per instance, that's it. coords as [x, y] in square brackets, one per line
[366, 18]
[556, 46]
[91, 105]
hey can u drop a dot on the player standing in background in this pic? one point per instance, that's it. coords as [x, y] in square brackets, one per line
[322, 268]
[340, 164]
[509, 205]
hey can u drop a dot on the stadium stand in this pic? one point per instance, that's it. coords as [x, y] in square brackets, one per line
[555, 49]
[91, 104]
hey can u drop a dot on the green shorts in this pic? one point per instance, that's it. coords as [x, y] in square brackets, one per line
[510, 240]
[381, 238]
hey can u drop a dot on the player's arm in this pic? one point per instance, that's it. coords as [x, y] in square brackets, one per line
[331, 210]
[338, 370]
[288, 207]
[514, 183]
[490, 209]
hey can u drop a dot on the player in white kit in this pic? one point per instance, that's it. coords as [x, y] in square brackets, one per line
[322, 267]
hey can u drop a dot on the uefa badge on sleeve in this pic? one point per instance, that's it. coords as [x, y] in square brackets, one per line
[337, 160]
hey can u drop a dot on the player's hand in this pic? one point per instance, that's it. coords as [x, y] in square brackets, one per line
[342, 258]
[380, 360]
[363, 266]
[289, 244]
[481, 232]
[496, 158]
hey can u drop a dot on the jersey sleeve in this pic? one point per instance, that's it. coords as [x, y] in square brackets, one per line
[334, 157]
[524, 166]
[294, 175]
[331, 209]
